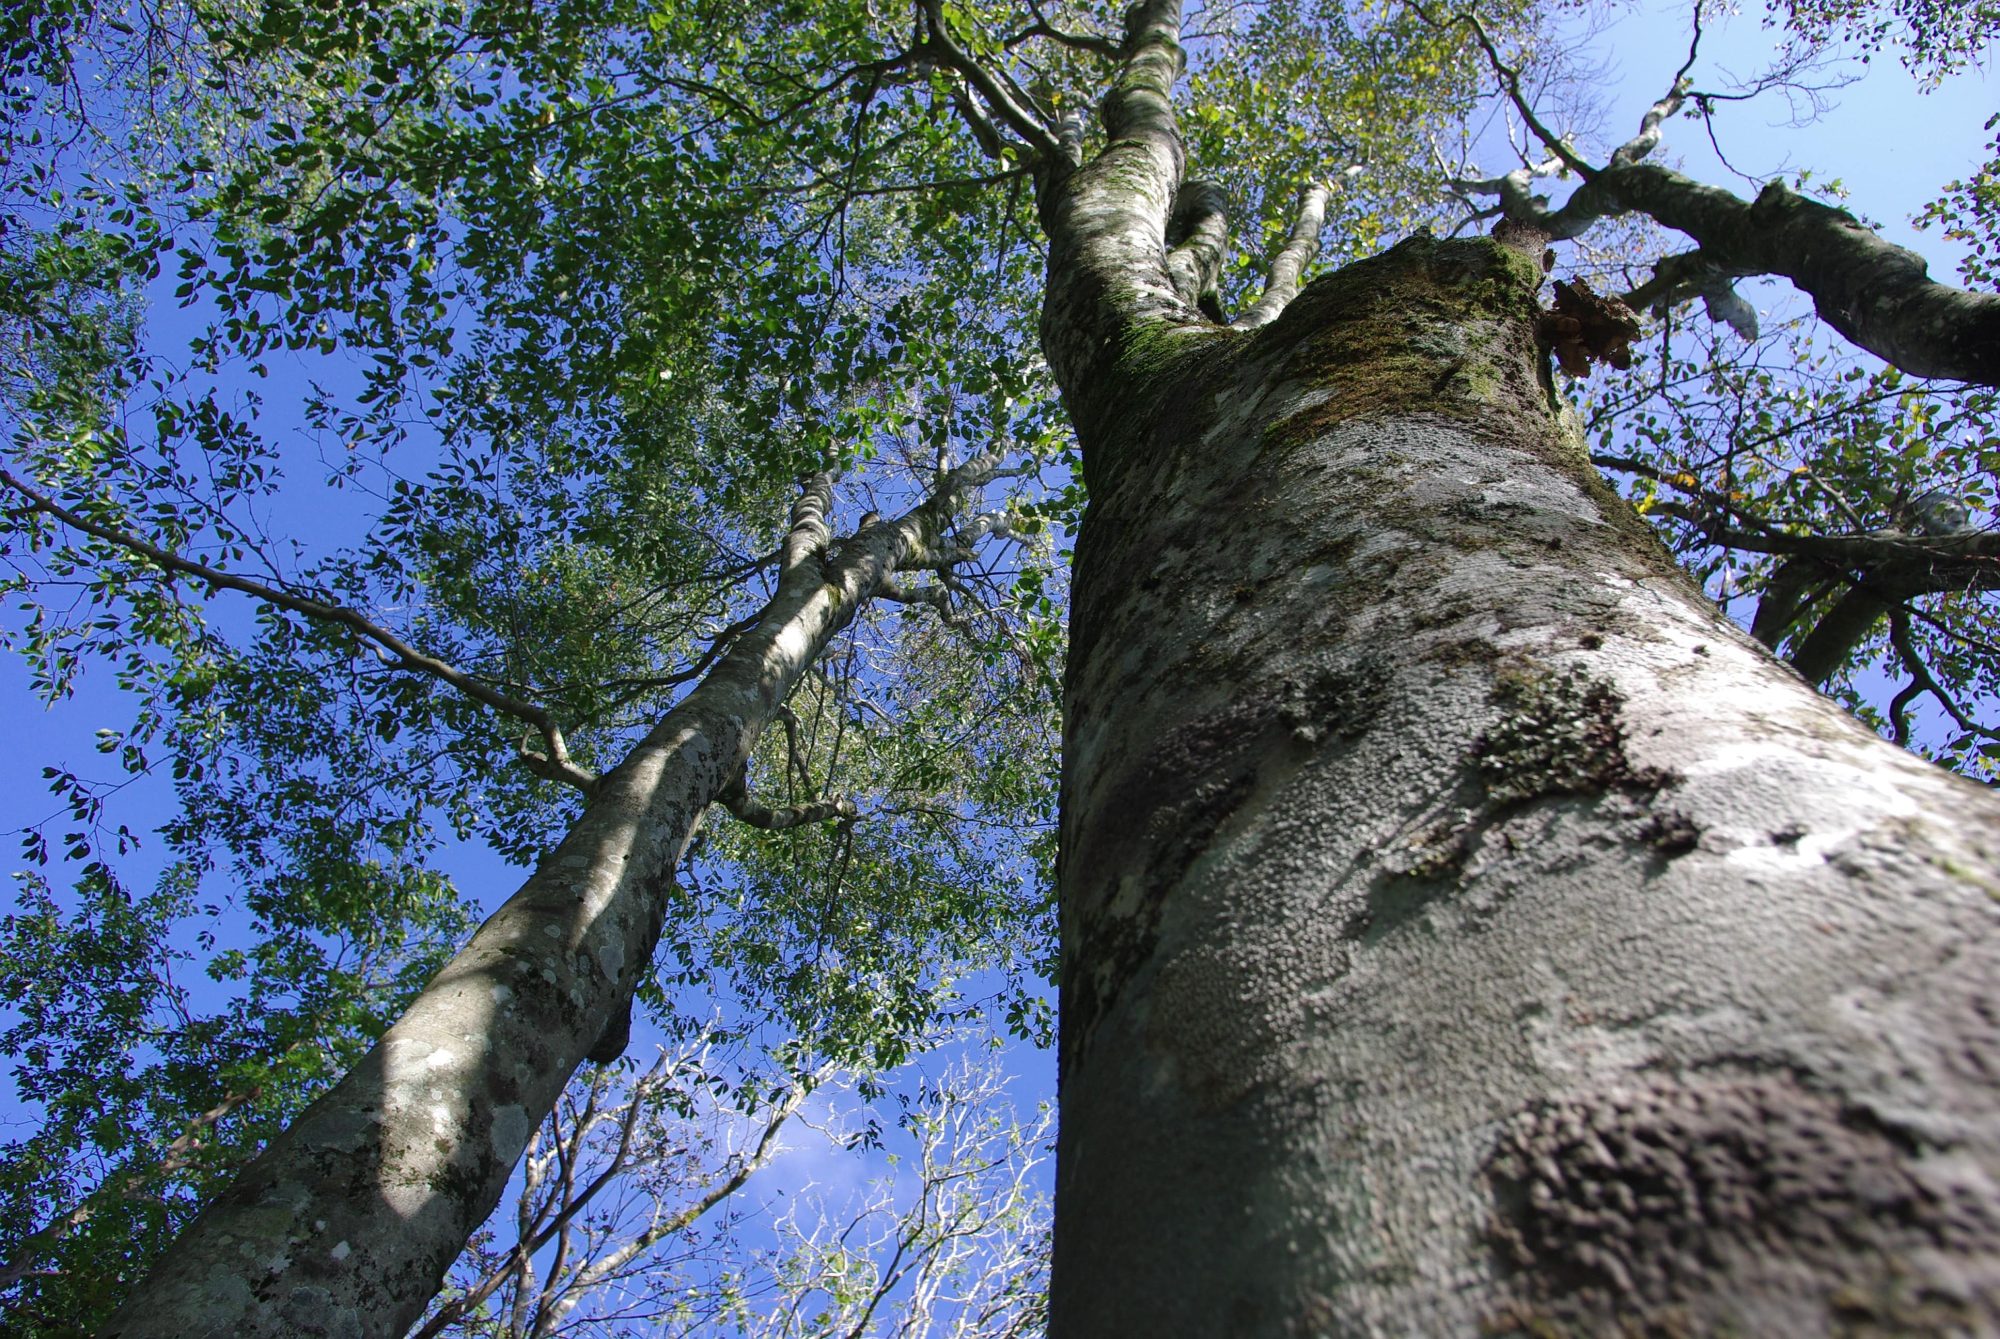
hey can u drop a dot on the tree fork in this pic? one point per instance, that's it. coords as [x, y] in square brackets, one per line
[1463, 924]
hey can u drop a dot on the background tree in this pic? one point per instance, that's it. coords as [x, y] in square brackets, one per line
[321, 765]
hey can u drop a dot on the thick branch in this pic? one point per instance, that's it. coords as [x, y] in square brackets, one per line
[1198, 231]
[1650, 134]
[1515, 189]
[1693, 274]
[1898, 565]
[809, 534]
[739, 802]
[736, 797]
[1107, 224]
[1873, 572]
[1908, 567]
[556, 764]
[862, 566]
[1840, 629]
[984, 133]
[1139, 104]
[935, 595]
[1788, 592]
[1281, 284]
[1877, 294]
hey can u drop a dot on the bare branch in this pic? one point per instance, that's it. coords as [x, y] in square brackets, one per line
[1899, 638]
[1101, 46]
[671, 1224]
[568, 1203]
[1000, 102]
[1510, 79]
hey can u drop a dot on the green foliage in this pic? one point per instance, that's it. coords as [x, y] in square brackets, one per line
[150, 1103]
[1969, 213]
[1298, 91]
[1931, 37]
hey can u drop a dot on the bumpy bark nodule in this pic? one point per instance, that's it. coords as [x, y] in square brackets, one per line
[1464, 925]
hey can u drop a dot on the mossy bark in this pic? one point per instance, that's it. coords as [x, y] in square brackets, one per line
[1463, 925]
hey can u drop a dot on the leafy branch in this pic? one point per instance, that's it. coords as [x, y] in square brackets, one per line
[555, 764]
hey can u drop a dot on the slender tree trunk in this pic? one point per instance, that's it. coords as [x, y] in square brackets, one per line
[345, 1224]
[1463, 925]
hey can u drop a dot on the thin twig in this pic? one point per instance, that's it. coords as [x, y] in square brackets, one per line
[555, 764]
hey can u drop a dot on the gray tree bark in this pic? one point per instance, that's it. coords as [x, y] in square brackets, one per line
[345, 1225]
[1465, 928]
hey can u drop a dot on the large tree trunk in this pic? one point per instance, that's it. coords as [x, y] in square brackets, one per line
[1463, 925]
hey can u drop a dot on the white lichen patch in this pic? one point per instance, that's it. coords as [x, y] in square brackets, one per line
[611, 953]
[511, 1128]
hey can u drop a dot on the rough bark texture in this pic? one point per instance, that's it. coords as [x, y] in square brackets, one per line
[1463, 925]
[345, 1225]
